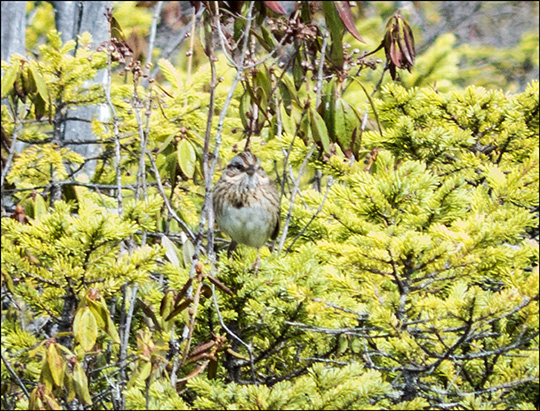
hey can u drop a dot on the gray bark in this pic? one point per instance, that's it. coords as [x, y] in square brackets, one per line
[72, 19]
[13, 28]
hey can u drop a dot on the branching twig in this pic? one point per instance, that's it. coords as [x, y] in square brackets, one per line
[233, 335]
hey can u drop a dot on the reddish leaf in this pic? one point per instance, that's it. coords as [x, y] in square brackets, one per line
[118, 33]
[19, 214]
[275, 6]
[408, 42]
[220, 285]
[201, 348]
[183, 291]
[149, 313]
[197, 5]
[179, 308]
[233, 6]
[199, 369]
[395, 54]
[345, 14]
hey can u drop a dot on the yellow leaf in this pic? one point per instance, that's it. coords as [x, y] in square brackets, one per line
[186, 157]
[81, 384]
[111, 330]
[87, 329]
[56, 365]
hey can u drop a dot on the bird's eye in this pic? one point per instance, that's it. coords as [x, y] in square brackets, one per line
[236, 166]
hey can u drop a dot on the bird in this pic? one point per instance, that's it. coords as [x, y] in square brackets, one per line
[247, 203]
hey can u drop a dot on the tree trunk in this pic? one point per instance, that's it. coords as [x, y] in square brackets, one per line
[13, 28]
[72, 19]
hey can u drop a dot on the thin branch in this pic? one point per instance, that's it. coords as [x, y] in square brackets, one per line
[328, 185]
[7, 166]
[15, 376]
[179, 39]
[293, 196]
[117, 155]
[153, 29]
[320, 73]
[125, 335]
[166, 200]
[190, 51]
[233, 335]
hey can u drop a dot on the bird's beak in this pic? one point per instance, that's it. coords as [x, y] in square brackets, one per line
[250, 170]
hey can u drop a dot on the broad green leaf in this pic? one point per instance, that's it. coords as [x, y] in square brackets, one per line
[166, 303]
[318, 129]
[329, 102]
[51, 402]
[245, 106]
[28, 81]
[347, 127]
[167, 142]
[34, 403]
[287, 122]
[145, 370]
[40, 207]
[40, 107]
[40, 83]
[9, 78]
[263, 80]
[269, 44]
[188, 251]
[186, 157]
[335, 25]
[141, 373]
[288, 93]
[171, 251]
[298, 73]
[70, 387]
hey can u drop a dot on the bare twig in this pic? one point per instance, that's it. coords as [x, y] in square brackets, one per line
[293, 195]
[190, 52]
[15, 376]
[287, 155]
[7, 166]
[179, 39]
[125, 335]
[320, 72]
[185, 227]
[233, 335]
[328, 185]
[117, 158]
[153, 29]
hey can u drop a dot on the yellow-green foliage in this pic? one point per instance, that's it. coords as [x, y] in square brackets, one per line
[406, 281]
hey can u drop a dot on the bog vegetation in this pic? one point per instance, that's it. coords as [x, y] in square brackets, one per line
[406, 272]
